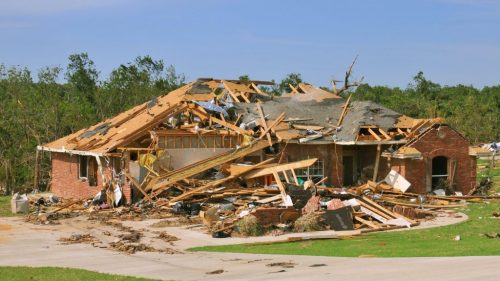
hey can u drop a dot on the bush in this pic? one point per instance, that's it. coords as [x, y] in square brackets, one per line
[248, 226]
[309, 222]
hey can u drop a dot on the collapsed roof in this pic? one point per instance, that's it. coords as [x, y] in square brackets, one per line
[309, 111]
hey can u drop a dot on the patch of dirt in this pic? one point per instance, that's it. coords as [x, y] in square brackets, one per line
[5, 227]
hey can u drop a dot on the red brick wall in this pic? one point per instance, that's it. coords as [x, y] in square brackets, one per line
[443, 142]
[332, 170]
[67, 184]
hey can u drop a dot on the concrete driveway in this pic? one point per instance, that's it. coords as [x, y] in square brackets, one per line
[29, 245]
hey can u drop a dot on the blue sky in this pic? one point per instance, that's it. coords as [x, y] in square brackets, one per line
[451, 41]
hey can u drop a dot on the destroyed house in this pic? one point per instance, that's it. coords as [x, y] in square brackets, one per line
[196, 137]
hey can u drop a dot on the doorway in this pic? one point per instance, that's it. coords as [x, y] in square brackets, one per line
[348, 162]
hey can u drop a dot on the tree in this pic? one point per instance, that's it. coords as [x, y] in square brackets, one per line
[291, 79]
[82, 75]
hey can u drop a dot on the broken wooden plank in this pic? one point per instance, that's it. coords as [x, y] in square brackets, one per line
[274, 123]
[247, 169]
[138, 186]
[367, 222]
[264, 123]
[344, 111]
[160, 183]
[374, 134]
[230, 126]
[280, 168]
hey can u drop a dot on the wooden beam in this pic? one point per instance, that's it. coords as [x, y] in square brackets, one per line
[294, 90]
[280, 168]
[286, 177]
[295, 177]
[264, 123]
[387, 137]
[367, 222]
[230, 126]
[377, 161]
[280, 184]
[374, 134]
[273, 124]
[162, 182]
[302, 88]
[137, 185]
[344, 111]
[233, 95]
[215, 183]
[259, 91]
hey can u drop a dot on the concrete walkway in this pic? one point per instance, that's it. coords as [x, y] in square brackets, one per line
[25, 244]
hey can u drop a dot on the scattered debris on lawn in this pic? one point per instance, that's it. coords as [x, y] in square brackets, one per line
[167, 237]
[218, 271]
[317, 265]
[282, 264]
[78, 238]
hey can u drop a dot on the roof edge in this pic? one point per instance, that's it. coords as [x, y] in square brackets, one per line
[70, 151]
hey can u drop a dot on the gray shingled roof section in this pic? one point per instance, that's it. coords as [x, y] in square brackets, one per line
[325, 113]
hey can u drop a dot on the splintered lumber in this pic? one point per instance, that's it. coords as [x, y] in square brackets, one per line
[230, 126]
[273, 124]
[374, 134]
[269, 199]
[367, 222]
[212, 184]
[68, 205]
[162, 182]
[264, 123]
[429, 206]
[280, 168]
[280, 185]
[344, 111]
[137, 185]
[386, 211]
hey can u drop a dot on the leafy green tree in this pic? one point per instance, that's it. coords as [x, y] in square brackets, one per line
[291, 79]
[82, 75]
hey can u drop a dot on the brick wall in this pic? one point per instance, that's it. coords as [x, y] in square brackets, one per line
[443, 142]
[66, 182]
[332, 169]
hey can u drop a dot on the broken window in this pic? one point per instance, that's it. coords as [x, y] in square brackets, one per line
[87, 169]
[439, 172]
[314, 172]
[83, 164]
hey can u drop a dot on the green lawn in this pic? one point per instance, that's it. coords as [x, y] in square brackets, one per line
[414, 243]
[493, 173]
[22, 273]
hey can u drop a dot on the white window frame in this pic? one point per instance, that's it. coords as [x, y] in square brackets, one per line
[318, 165]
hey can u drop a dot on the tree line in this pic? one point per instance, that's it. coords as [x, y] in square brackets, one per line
[59, 101]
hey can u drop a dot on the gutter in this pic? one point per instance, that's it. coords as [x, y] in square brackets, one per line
[70, 151]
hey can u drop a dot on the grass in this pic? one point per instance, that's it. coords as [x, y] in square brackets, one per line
[493, 173]
[23, 273]
[5, 206]
[416, 243]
